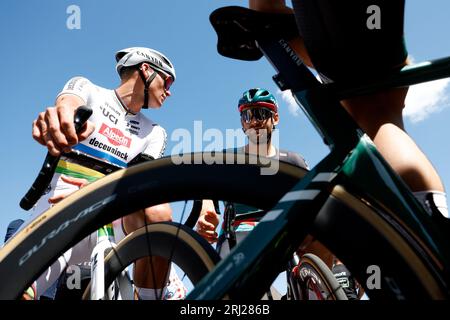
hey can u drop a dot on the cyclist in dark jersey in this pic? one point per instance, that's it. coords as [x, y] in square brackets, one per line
[357, 41]
[259, 116]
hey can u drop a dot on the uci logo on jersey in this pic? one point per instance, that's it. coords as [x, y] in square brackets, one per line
[109, 115]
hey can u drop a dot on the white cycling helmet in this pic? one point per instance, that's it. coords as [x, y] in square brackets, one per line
[133, 56]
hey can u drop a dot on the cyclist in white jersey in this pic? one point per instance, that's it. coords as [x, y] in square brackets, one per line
[118, 138]
[116, 134]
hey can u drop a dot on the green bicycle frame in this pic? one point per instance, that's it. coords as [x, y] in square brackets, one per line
[353, 163]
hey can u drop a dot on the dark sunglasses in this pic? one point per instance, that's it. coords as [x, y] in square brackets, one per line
[260, 114]
[168, 80]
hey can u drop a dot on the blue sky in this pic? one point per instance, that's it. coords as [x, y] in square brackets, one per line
[39, 54]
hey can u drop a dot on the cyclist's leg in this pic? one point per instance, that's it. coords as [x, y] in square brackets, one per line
[49, 292]
[342, 274]
[150, 275]
[78, 254]
[193, 256]
[46, 285]
[346, 280]
[382, 119]
[343, 48]
[312, 245]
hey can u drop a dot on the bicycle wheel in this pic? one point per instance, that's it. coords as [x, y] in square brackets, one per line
[387, 258]
[43, 240]
[174, 242]
[313, 280]
[409, 269]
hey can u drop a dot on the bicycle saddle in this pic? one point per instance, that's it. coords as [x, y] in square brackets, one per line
[238, 28]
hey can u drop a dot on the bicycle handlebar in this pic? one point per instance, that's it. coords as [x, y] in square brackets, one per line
[45, 175]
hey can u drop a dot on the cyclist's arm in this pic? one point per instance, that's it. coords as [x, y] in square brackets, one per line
[157, 143]
[54, 127]
[159, 213]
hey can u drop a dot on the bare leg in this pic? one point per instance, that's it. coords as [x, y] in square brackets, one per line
[380, 116]
[149, 273]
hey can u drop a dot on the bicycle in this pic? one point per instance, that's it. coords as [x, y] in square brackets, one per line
[394, 231]
[307, 276]
[120, 286]
[415, 245]
[196, 263]
[31, 250]
[156, 240]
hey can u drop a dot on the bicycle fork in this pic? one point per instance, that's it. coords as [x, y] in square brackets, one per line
[293, 291]
[104, 243]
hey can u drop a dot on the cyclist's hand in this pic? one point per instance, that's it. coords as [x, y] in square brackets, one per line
[79, 182]
[54, 128]
[206, 225]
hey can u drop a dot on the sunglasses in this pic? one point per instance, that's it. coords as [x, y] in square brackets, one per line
[168, 80]
[260, 114]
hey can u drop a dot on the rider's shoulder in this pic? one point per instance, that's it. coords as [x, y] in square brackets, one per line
[154, 128]
[79, 83]
[235, 150]
[293, 158]
[79, 79]
[158, 128]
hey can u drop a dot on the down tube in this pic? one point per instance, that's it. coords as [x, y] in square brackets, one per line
[250, 268]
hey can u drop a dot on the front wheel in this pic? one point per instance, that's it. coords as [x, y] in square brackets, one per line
[313, 280]
[177, 243]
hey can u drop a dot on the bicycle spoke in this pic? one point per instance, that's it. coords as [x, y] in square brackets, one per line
[176, 237]
[150, 255]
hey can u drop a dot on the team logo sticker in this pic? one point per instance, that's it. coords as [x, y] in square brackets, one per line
[115, 136]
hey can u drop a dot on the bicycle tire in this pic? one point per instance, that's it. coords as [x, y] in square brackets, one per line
[406, 270]
[193, 254]
[312, 271]
[41, 242]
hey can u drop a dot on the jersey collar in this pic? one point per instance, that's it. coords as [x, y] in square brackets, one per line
[124, 106]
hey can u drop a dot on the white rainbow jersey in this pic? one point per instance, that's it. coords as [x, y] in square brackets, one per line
[118, 138]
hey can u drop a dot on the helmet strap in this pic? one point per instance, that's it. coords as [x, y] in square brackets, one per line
[147, 82]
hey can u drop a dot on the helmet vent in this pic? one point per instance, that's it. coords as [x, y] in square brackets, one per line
[252, 92]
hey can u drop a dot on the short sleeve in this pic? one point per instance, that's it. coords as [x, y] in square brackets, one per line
[157, 142]
[299, 160]
[78, 86]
